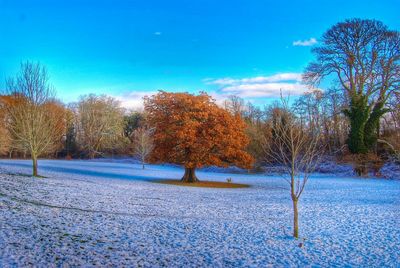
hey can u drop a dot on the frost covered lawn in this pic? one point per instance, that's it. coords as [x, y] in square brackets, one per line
[103, 213]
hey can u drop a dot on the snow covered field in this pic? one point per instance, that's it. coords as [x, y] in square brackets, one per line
[102, 213]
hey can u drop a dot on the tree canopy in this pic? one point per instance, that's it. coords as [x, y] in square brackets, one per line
[100, 123]
[194, 131]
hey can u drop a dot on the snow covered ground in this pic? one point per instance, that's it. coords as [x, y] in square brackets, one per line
[102, 213]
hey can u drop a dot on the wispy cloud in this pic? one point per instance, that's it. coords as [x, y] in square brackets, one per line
[133, 99]
[266, 90]
[248, 87]
[305, 43]
[280, 77]
[157, 33]
[261, 86]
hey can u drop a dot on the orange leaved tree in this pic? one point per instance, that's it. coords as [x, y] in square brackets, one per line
[193, 131]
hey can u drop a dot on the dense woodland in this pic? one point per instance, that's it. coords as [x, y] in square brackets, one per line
[356, 119]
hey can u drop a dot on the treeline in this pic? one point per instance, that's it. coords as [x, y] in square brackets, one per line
[319, 113]
[97, 125]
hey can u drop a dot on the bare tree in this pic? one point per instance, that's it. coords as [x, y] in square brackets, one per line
[235, 105]
[364, 56]
[390, 138]
[100, 124]
[296, 150]
[318, 109]
[5, 138]
[142, 143]
[34, 125]
[5, 141]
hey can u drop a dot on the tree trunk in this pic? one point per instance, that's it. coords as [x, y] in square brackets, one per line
[361, 171]
[35, 166]
[190, 175]
[295, 219]
[358, 114]
[371, 130]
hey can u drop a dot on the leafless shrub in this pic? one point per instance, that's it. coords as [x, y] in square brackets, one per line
[296, 150]
[142, 143]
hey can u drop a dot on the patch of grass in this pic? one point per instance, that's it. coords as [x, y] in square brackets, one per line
[205, 184]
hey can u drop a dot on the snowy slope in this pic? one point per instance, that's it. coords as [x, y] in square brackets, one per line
[100, 213]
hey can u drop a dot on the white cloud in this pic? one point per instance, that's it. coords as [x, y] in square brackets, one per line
[258, 79]
[261, 86]
[219, 97]
[221, 81]
[305, 43]
[157, 33]
[134, 99]
[249, 87]
[266, 90]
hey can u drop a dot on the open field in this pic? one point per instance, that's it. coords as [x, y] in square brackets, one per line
[104, 213]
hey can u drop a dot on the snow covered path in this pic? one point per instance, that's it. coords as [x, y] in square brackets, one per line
[102, 213]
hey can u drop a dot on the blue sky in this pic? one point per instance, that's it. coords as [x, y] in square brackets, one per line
[128, 49]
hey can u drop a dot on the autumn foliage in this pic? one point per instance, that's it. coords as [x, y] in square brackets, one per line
[193, 131]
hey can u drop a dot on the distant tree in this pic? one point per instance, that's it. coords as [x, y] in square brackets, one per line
[257, 135]
[59, 114]
[36, 122]
[142, 143]
[132, 122]
[335, 122]
[5, 137]
[193, 131]
[100, 124]
[71, 145]
[364, 56]
[322, 109]
[390, 138]
[310, 109]
[395, 112]
[291, 146]
[235, 105]
[255, 126]
[252, 114]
